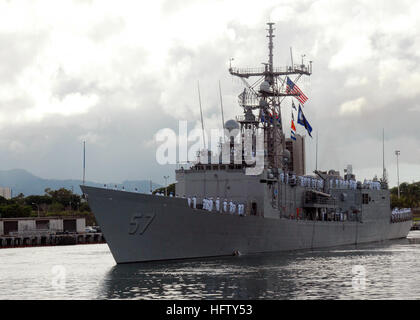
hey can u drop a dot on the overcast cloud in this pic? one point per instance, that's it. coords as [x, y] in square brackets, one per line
[114, 73]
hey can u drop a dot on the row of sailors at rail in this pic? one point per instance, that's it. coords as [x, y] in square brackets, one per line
[216, 205]
[399, 215]
[315, 183]
[368, 184]
[303, 181]
[401, 211]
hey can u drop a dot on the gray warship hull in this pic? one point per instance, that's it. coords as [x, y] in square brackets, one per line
[140, 227]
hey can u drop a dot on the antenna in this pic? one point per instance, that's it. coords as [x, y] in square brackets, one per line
[383, 155]
[84, 161]
[303, 56]
[201, 113]
[270, 45]
[221, 107]
[316, 157]
[291, 56]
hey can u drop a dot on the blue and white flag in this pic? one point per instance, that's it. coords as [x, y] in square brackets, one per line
[292, 135]
[302, 121]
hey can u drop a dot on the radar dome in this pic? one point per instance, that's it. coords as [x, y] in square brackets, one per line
[263, 103]
[265, 86]
[231, 125]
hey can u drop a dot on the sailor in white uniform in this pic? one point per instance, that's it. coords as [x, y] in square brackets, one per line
[225, 204]
[210, 204]
[241, 209]
[189, 202]
[194, 200]
[231, 207]
[217, 202]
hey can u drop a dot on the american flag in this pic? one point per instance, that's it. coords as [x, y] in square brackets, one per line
[292, 88]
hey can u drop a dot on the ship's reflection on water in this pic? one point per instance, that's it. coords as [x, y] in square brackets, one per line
[389, 271]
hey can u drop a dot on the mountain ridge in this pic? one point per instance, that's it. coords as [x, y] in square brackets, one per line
[22, 181]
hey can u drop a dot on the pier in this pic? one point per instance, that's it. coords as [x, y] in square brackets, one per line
[54, 231]
[29, 240]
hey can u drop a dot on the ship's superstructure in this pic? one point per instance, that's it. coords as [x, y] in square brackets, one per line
[232, 202]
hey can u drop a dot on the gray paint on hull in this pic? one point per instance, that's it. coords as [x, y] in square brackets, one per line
[176, 231]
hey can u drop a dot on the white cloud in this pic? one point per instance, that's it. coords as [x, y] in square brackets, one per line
[108, 71]
[356, 50]
[353, 107]
[354, 81]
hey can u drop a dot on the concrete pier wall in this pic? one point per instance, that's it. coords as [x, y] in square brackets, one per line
[80, 225]
[51, 224]
[56, 225]
[18, 232]
[26, 225]
[50, 239]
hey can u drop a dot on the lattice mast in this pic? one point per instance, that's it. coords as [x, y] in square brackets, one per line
[267, 99]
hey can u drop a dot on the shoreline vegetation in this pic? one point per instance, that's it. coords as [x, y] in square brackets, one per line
[61, 202]
[409, 196]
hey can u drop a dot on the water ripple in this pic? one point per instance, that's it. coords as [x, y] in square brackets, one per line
[390, 270]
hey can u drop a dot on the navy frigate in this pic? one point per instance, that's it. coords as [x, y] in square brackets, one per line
[223, 206]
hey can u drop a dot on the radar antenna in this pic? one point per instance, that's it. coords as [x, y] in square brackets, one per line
[266, 100]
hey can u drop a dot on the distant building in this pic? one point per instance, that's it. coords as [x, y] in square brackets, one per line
[28, 225]
[6, 193]
[297, 155]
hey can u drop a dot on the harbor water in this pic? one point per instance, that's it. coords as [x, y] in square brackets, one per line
[386, 270]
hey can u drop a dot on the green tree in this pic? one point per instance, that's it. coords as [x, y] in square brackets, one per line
[409, 195]
[84, 207]
[171, 188]
[55, 208]
[65, 197]
[4, 201]
[15, 211]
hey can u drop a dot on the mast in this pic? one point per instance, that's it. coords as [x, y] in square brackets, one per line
[270, 45]
[201, 113]
[264, 97]
[84, 161]
[316, 156]
[383, 154]
[221, 107]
